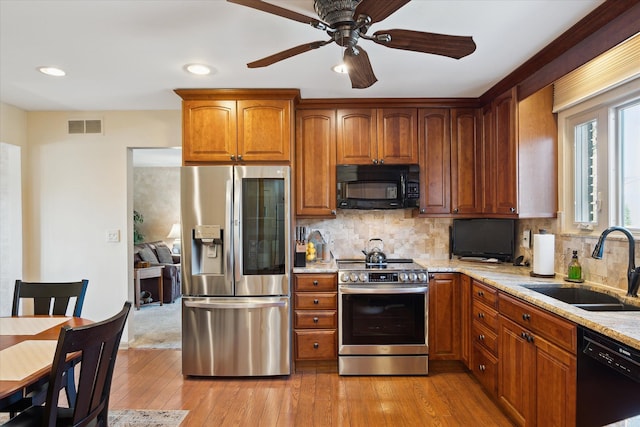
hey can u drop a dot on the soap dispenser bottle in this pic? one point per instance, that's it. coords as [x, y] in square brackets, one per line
[575, 269]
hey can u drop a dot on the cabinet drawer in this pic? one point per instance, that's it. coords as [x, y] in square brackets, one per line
[326, 319]
[484, 293]
[485, 369]
[555, 329]
[316, 301]
[316, 282]
[485, 337]
[316, 345]
[485, 315]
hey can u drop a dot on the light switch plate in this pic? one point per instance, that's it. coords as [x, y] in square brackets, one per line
[526, 239]
[113, 236]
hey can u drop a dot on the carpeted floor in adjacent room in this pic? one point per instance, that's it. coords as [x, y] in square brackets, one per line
[158, 326]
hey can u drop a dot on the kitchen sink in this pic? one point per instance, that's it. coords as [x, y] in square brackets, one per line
[585, 299]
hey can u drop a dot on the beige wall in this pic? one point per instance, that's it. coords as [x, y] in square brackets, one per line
[77, 188]
[156, 195]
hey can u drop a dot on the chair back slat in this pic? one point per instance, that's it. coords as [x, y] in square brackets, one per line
[43, 293]
[98, 344]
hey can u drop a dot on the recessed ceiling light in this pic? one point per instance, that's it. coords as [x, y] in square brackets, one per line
[52, 71]
[198, 69]
[341, 68]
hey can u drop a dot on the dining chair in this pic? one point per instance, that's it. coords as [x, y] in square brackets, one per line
[49, 298]
[97, 346]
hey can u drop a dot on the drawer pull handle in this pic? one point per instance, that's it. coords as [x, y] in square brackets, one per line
[527, 337]
[481, 337]
[482, 368]
[480, 293]
[526, 316]
[316, 345]
[315, 283]
[480, 315]
[315, 320]
[315, 301]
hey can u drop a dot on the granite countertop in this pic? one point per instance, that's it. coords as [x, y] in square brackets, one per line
[622, 326]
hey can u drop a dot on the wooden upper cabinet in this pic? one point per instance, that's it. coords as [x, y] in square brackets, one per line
[264, 130]
[208, 130]
[377, 136]
[316, 163]
[356, 139]
[506, 153]
[397, 136]
[465, 161]
[434, 140]
[236, 125]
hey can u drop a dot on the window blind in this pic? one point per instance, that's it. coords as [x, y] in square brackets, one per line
[614, 67]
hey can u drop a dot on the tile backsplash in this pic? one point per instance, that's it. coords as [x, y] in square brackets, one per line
[428, 238]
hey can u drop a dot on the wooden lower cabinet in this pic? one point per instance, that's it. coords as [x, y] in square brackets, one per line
[315, 318]
[537, 376]
[444, 317]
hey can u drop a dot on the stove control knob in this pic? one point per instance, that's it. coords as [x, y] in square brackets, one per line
[353, 277]
[413, 277]
[403, 277]
[363, 277]
[422, 277]
[345, 277]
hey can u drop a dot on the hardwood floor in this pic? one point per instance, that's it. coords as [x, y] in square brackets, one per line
[152, 379]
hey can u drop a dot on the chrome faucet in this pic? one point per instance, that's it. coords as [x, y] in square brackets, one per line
[633, 274]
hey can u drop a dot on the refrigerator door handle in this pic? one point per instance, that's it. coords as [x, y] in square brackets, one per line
[229, 250]
[234, 305]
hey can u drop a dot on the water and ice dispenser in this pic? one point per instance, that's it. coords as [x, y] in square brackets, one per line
[207, 250]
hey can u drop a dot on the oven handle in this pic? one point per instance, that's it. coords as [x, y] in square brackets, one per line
[377, 290]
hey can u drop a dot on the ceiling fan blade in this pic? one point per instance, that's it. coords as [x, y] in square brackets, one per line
[418, 41]
[272, 59]
[359, 68]
[280, 11]
[378, 10]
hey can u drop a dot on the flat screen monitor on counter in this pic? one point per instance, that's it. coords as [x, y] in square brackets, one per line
[483, 238]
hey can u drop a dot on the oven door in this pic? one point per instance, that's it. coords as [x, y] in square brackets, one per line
[383, 320]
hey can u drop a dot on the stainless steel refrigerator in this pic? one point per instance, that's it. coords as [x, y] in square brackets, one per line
[235, 270]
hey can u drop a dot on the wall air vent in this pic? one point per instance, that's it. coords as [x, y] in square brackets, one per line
[85, 126]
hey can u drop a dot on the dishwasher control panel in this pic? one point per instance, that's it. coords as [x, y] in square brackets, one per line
[617, 356]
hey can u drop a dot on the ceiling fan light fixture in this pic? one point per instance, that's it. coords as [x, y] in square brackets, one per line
[198, 69]
[341, 68]
[52, 71]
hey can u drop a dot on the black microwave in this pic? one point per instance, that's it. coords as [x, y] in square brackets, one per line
[378, 186]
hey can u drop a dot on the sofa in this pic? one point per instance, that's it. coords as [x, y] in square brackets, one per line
[158, 253]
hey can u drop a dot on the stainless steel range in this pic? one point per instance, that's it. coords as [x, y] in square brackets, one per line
[383, 311]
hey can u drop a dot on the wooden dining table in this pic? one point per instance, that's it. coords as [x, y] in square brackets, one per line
[27, 347]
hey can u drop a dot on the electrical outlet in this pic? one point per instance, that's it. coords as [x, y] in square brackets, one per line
[113, 236]
[526, 239]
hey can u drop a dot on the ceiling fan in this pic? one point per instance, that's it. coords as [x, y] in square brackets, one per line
[347, 21]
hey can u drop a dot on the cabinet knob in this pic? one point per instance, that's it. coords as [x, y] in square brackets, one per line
[315, 283]
[333, 212]
[455, 210]
[316, 345]
[526, 316]
[315, 301]
[316, 320]
[480, 315]
[480, 293]
[423, 210]
[382, 161]
[233, 157]
[513, 210]
[481, 337]
[375, 161]
[240, 157]
[482, 368]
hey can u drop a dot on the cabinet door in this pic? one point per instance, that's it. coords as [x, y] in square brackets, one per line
[465, 161]
[444, 317]
[434, 141]
[208, 131]
[465, 320]
[489, 166]
[264, 130]
[356, 139]
[516, 376]
[397, 136]
[316, 163]
[506, 154]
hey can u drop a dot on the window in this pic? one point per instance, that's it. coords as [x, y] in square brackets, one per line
[600, 161]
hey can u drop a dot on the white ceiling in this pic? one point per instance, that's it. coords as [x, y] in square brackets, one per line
[129, 55]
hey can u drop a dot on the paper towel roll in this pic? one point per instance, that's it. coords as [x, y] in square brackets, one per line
[543, 254]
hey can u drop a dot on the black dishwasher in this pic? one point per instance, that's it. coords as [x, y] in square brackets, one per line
[608, 380]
